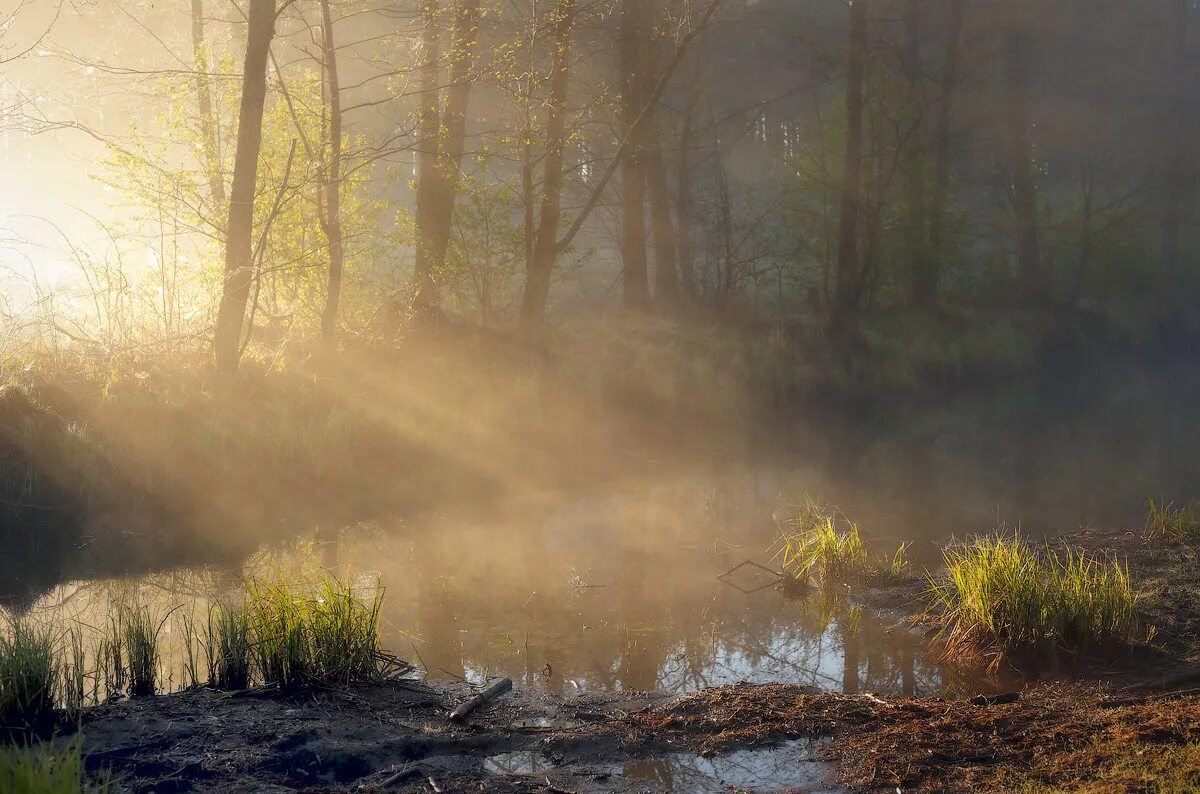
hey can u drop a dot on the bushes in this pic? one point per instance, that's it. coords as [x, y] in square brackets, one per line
[1001, 594]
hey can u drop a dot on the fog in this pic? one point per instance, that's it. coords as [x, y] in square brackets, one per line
[544, 314]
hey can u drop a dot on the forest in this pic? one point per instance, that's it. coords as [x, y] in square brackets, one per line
[606, 395]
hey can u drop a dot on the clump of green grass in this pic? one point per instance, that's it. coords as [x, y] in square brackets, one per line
[141, 649]
[1002, 596]
[74, 673]
[324, 634]
[821, 542]
[46, 769]
[29, 678]
[345, 634]
[1167, 521]
[228, 646]
[279, 634]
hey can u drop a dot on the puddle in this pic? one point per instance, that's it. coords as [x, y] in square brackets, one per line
[521, 762]
[792, 766]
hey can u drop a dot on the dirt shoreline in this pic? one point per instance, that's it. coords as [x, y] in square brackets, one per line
[1133, 725]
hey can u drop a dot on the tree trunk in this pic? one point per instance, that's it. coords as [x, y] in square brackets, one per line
[538, 284]
[433, 226]
[666, 276]
[662, 228]
[424, 278]
[635, 23]
[683, 202]
[333, 182]
[208, 124]
[847, 295]
[923, 276]
[240, 228]
[1032, 280]
[540, 267]
[942, 140]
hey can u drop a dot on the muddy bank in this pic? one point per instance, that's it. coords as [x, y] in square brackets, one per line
[1130, 723]
[743, 738]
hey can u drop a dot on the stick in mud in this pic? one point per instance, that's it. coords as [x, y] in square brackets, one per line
[488, 695]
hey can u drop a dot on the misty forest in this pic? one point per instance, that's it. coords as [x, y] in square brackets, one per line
[582, 396]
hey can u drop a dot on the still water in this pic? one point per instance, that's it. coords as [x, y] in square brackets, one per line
[624, 590]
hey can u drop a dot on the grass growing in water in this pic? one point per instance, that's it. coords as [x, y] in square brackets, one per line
[824, 543]
[345, 634]
[44, 769]
[1001, 594]
[325, 633]
[1168, 521]
[141, 649]
[228, 646]
[29, 678]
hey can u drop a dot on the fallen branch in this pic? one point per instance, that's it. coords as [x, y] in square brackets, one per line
[487, 696]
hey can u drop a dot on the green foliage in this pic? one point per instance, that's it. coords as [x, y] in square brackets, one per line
[47, 769]
[823, 542]
[1001, 594]
[29, 677]
[1167, 521]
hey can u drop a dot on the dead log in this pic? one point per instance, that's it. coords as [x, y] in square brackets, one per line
[487, 696]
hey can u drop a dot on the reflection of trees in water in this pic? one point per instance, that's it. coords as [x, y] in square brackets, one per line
[622, 594]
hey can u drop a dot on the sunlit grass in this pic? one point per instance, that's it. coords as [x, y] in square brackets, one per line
[227, 646]
[999, 594]
[304, 633]
[279, 634]
[29, 677]
[140, 636]
[47, 769]
[823, 543]
[1167, 521]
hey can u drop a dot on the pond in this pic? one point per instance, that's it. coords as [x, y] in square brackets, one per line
[636, 589]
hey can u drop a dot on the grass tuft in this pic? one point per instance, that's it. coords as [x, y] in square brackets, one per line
[1003, 596]
[821, 542]
[141, 649]
[324, 634]
[228, 646]
[46, 769]
[1168, 521]
[29, 678]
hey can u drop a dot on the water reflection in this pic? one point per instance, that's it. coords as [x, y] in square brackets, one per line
[568, 596]
[792, 766]
[623, 594]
